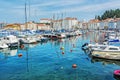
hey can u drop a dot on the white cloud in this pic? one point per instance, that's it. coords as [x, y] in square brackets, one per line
[44, 8]
[59, 3]
[90, 8]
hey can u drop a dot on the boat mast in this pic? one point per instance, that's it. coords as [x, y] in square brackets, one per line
[25, 15]
[27, 64]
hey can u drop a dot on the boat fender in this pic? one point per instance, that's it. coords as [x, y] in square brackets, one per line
[117, 74]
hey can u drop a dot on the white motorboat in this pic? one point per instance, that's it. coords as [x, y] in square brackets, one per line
[10, 40]
[61, 35]
[108, 52]
[27, 40]
[3, 45]
[94, 47]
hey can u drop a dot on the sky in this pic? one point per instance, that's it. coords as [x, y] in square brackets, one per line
[13, 11]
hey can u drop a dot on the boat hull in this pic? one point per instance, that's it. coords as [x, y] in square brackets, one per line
[107, 55]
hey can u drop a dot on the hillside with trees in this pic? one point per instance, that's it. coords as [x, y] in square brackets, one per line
[109, 14]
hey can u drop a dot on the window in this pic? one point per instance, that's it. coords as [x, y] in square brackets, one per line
[113, 48]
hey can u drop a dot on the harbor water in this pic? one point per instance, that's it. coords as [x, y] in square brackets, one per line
[53, 60]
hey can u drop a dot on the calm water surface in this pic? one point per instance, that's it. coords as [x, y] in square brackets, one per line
[45, 61]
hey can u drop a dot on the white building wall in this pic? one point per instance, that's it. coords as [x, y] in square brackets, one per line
[80, 25]
[103, 24]
[22, 27]
[112, 25]
[57, 25]
[32, 26]
[71, 24]
[118, 24]
[65, 24]
[45, 21]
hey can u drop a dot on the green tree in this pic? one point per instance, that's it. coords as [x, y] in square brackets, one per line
[109, 14]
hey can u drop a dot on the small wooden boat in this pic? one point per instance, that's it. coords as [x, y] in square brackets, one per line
[27, 40]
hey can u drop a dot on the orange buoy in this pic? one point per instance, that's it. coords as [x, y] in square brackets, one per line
[74, 66]
[34, 42]
[63, 53]
[20, 55]
[22, 46]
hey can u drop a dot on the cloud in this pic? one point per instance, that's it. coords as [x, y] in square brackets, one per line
[90, 8]
[59, 3]
[47, 8]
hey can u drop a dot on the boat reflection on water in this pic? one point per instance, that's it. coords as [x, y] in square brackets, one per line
[105, 61]
[27, 46]
[9, 52]
[5, 53]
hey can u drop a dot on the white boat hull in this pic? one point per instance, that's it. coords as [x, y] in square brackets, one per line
[107, 54]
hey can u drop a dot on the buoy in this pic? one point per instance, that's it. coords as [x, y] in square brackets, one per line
[34, 42]
[22, 46]
[62, 48]
[63, 53]
[117, 74]
[74, 66]
[20, 55]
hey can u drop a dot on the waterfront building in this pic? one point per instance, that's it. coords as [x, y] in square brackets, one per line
[57, 24]
[118, 23]
[41, 26]
[94, 24]
[45, 20]
[104, 24]
[80, 25]
[22, 27]
[15, 26]
[70, 23]
[112, 25]
[67, 24]
[29, 25]
[85, 26]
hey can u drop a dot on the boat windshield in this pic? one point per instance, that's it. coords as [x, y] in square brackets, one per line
[113, 48]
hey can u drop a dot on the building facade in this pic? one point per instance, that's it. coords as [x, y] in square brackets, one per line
[94, 24]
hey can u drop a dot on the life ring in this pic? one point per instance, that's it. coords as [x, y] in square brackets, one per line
[117, 74]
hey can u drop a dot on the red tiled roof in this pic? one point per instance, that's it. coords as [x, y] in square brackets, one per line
[94, 21]
[69, 18]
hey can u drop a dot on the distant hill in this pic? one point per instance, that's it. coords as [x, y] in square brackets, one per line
[109, 14]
